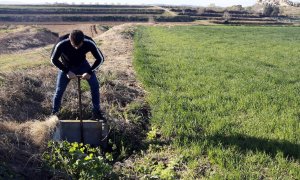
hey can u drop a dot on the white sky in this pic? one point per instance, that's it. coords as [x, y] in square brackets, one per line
[139, 2]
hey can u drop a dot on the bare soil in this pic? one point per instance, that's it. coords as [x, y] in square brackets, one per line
[62, 29]
[90, 29]
[25, 38]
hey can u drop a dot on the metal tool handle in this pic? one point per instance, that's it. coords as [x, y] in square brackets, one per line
[79, 96]
[80, 108]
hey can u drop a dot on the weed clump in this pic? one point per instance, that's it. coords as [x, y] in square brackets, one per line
[76, 161]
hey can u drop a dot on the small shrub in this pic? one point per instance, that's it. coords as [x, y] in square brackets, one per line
[270, 10]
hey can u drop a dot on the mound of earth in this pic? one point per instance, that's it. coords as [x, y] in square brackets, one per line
[25, 39]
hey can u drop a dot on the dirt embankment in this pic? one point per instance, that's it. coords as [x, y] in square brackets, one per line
[117, 47]
[25, 38]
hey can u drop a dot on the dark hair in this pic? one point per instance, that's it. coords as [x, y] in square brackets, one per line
[76, 37]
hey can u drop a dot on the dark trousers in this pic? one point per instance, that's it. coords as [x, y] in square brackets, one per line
[63, 81]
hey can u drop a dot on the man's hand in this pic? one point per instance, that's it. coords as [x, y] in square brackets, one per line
[71, 75]
[86, 76]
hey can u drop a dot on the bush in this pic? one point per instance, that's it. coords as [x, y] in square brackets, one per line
[270, 10]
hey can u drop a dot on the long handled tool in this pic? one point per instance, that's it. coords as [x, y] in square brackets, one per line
[90, 130]
[80, 109]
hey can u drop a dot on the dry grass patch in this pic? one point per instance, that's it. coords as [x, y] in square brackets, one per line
[22, 143]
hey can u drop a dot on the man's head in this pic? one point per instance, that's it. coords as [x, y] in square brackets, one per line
[76, 38]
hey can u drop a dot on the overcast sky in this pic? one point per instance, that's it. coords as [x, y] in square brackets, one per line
[138, 2]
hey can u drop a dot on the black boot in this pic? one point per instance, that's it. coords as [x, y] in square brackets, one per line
[97, 115]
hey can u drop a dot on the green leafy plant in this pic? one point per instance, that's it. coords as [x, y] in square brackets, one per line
[76, 160]
[151, 135]
[85, 86]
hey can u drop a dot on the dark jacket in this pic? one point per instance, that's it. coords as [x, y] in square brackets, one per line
[71, 57]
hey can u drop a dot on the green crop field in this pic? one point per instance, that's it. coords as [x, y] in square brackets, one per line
[228, 97]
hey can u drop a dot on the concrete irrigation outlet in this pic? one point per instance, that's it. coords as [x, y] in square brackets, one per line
[93, 132]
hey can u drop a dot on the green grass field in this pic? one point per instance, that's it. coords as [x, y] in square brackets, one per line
[228, 97]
